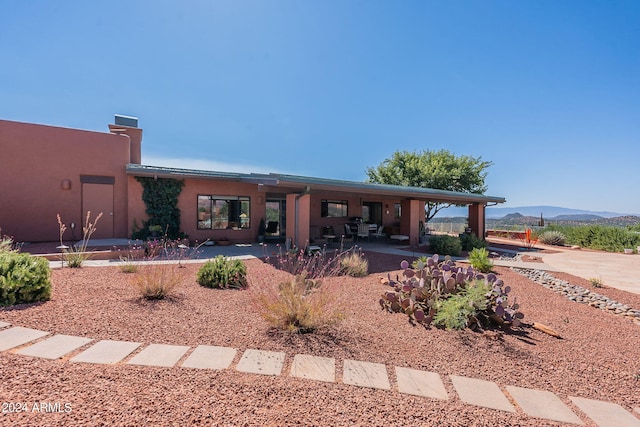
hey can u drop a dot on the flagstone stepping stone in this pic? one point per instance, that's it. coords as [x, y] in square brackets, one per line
[314, 368]
[55, 347]
[481, 393]
[210, 357]
[261, 362]
[543, 404]
[4, 325]
[106, 352]
[420, 383]
[159, 355]
[606, 414]
[17, 336]
[366, 374]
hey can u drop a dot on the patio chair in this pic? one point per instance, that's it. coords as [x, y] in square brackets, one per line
[347, 231]
[272, 227]
[363, 231]
[379, 233]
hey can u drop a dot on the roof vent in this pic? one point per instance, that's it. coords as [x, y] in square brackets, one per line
[128, 121]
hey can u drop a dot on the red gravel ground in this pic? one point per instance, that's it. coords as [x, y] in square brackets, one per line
[597, 357]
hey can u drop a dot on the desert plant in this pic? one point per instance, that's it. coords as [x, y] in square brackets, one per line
[156, 281]
[429, 284]
[596, 283]
[552, 237]
[300, 305]
[316, 265]
[446, 245]
[23, 278]
[599, 237]
[530, 239]
[460, 310]
[7, 244]
[223, 273]
[469, 241]
[76, 255]
[354, 264]
[479, 259]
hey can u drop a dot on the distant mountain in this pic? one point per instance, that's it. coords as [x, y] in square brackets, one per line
[578, 217]
[548, 212]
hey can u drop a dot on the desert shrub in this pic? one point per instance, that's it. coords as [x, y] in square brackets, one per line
[74, 255]
[596, 283]
[460, 309]
[354, 264]
[479, 259]
[156, 281]
[7, 244]
[316, 265]
[446, 245]
[223, 273]
[552, 237]
[23, 278]
[128, 267]
[426, 289]
[600, 237]
[468, 241]
[299, 306]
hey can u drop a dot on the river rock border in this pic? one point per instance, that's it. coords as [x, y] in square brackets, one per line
[580, 294]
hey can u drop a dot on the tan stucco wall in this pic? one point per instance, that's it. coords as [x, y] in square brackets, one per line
[34, 161]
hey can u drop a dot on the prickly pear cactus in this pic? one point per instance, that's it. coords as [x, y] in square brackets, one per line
[430, 280]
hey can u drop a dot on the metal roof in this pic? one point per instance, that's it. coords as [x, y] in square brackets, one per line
[326, 184]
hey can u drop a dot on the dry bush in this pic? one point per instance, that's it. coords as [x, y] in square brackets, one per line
[300, 305]
[156, 281]
[354, 264]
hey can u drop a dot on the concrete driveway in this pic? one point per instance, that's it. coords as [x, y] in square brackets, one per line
[621, 271]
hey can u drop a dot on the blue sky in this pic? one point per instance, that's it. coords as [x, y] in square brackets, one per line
[547, 90]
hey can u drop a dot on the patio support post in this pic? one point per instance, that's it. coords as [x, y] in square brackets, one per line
[412, 214]
[476, 219]
[298, 208]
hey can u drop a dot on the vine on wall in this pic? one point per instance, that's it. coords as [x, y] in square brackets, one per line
[160, 196]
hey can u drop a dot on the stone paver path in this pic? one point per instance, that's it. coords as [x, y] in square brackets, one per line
[534, 403]
[55, 347]
[543, 404]
[4, 325]
[481, 393]
[17, 336]
[314, 368]
[159, 355]
[606, 414]
[210, 357]
[420, 383]
[366, 374]
[107, 352]
[261, 362]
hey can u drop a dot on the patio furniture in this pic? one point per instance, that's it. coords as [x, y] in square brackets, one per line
[328, 234]
[399, 237]
[379, 233]
[347, 231]
[272, 227]
[363, 230]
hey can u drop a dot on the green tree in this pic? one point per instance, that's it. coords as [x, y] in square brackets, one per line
[440, 170]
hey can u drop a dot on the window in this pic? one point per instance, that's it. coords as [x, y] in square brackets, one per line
[334, 209]
[397, 210]
[223, 212]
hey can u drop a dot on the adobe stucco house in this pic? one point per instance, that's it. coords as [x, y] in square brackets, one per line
[48, 170]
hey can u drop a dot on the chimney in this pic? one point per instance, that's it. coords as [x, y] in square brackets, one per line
[126, 125]
[128, 121]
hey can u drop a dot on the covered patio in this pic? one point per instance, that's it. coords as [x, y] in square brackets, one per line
[301, 209]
